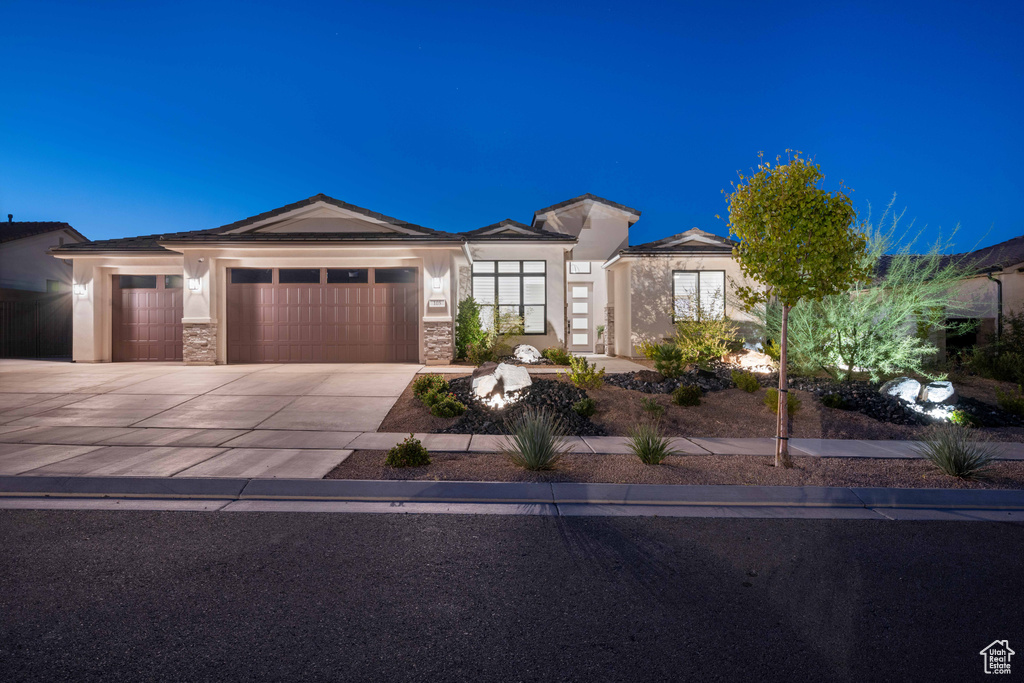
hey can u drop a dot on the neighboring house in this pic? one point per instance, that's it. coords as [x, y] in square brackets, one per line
[321, 280]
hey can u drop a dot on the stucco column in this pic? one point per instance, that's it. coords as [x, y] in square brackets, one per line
[199, 320]
[88, 313]
[438, 330]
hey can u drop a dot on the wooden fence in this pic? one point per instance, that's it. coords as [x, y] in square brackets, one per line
[35, 324]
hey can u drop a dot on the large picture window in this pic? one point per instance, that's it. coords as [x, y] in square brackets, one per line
[518, 287]
[697, 294]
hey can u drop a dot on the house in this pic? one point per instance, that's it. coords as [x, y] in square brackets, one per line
[35, 289]
[322, 280]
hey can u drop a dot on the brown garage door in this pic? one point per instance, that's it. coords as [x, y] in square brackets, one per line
[323, 315]
[146, 317]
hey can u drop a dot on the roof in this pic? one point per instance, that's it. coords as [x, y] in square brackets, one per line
[16, 230]
[998, 256]
[509, 229]
[591, 197]
[693, 241]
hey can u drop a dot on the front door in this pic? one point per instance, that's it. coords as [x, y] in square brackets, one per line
[580, 336]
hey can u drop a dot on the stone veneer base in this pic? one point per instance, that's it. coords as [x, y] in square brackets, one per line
[199, 343]
[438, 343]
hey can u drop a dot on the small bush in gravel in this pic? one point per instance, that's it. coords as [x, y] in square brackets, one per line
[649, 444]
[745, 381]
[1011, 402]
[408, 453]
[830, 401]
[446, 405]
[557, 355]
[647, 348]
[585, 407]
[771, 399]
[584, 374]
[686, 395]
[963, 418]
[668, 360]
[956, 451]
[424, 384]
[536, 440]
[652, 407]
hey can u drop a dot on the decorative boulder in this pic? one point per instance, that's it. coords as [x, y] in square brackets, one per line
[749, 358]
[525, 353]
[513, 377]
[484, 379]
[903, 388]
[938, 392]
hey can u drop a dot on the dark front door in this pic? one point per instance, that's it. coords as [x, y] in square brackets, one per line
[323, 315]
[146, 318]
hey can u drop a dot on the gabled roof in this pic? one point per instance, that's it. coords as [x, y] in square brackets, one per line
[16, 230]
[584, 197]
[998, 256]
[514, 230]
[693, 241]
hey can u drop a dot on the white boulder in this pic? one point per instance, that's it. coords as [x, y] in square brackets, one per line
[484, 385]
[525, 353]
[938, 392]
[903, 388]
[513, 377]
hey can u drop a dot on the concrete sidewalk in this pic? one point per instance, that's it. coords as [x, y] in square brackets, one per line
[548, 499]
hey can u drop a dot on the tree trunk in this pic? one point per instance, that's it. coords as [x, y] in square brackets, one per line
[782, 440]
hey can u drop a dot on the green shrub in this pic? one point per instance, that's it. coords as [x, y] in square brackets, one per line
[424, 384]
[557, 355]
[828, 400]
[478, 354]
[1003, 358]
[584, 374]
[771, 399]
[408, 453]
[496, 335]
[446, 405]
[668, 359]
[648, 443]
[687, 395]
[964, 419]
[1011, 402]
[468, 330]
[536, 440]
[651, 406]
[745, 381]
[647, 348]
[705, 338]
[773, 350]
[956, 451]
[585, 407]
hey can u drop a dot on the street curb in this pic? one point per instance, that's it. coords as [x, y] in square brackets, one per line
[120, 487]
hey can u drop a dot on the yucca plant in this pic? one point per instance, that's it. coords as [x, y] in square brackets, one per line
[956, 451]
[649, 444]
[536, 440]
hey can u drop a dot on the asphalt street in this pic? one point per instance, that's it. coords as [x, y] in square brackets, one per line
[176, 596]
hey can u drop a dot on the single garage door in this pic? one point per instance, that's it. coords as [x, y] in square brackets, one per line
[323, 315]
[146, 320]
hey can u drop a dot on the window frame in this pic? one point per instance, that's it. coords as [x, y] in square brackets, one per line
[575, 264]
[725, 284]
[522, 275]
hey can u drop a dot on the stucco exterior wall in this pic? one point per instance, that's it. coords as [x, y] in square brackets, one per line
[24, 263]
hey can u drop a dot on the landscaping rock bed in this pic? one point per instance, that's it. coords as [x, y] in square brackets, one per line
[650, 382]
[555, 396]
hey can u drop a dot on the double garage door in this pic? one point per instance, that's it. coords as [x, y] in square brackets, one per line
[279, 315]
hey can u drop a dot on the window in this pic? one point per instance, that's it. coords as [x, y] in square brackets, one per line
[251, 276]
[54, 286]
[579, 267]
[518, 287]
[137, 281]
[347, 276]
[394, 275]
[698, 293]
[172, 282]
[298, 276]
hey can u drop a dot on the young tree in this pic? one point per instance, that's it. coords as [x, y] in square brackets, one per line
[799, 242]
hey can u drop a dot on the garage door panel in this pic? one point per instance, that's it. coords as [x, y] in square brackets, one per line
[146, 322]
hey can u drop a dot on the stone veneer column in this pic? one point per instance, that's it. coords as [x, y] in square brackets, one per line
[609, 331]
[438, 343]
[199, 341]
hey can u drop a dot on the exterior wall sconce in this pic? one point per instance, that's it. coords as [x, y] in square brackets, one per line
[438, 285]
[78, 289]
[195, 284]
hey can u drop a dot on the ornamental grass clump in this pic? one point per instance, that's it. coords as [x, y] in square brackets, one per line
[771, 400]
[668, 359]
[647, 442]
[536, 440]
[745, 381]
[584, 374]
[408, 453]
[956, 451]
[651, 406]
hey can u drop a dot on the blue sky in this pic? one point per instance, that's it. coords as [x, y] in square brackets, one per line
[140, 118]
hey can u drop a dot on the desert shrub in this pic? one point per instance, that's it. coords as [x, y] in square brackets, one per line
[771, 399]
[647, 442]
[584, 374]
[536, 440]
[687, 395]
[647, 348]
[497, 333]
[745, 381]
[585, 407]
[963, 419]
[1003, 358]
[956, 451]
[468, 330]
[1010, 401]
[705, 337]
[408, 453]
[557, 355]
[773, 350]
[446, 405]
[424, 384]
[478, 354]
[651, 406]
[668, 359]
[829, 400]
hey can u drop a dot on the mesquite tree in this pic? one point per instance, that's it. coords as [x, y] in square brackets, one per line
[799, 242]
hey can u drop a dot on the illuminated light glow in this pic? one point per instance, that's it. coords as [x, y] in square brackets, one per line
[79, 289]
[437, 284]
[195, 284]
